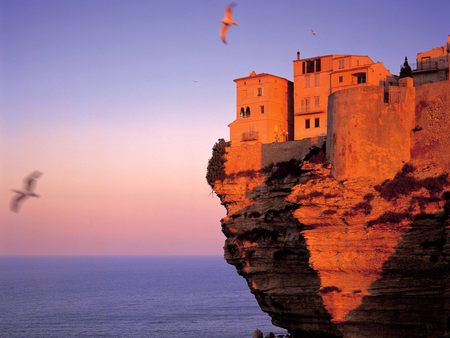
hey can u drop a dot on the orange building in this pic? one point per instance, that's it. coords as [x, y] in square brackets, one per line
[432, 65]
[264, 110]
[318, 77]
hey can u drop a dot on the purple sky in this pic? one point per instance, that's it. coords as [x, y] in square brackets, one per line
[100, 96]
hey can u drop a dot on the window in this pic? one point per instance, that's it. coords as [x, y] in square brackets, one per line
[259, 91]
[341, 63]
[307, 124]
[307, 81]
[262, 109]
[361, 78]
[306, 104]
[247, 112]
[341, 79]
[316, 80]
[357, 63]
[303, 67]
[318, 65]
[310, 66]
[317, 122]
[242, 113]
[316, 101]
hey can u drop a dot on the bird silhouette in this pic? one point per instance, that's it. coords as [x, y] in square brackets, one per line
[28, 186]
[311, 32]
[227, 21]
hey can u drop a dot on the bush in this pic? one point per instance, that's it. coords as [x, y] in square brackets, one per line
[405, 183]
[316, 155]
[282, 170]
[390, 217]
[216, 164]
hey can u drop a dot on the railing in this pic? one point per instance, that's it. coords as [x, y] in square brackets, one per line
[315, 110]
[432, 64]
[249, 136]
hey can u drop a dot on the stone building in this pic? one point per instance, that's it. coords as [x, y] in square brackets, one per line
[394, 124]
[432, 65]
[317, 77]
[263, 110]
[374, 122]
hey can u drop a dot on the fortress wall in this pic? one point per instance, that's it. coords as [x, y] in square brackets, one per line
[431, 140]
[285, 151]
[242, 158]
[366, 136]
[256, 156]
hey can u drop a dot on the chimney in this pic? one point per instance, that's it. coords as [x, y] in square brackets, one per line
[298, 53]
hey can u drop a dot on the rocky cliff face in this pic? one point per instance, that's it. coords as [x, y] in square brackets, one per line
[353, 258]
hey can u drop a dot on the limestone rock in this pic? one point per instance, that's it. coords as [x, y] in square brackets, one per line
[354, 258]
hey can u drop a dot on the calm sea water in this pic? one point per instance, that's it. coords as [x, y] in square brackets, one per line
[126, 297]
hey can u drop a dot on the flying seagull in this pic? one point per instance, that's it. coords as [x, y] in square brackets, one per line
[28, 186]
[311, 32]
[227, 21]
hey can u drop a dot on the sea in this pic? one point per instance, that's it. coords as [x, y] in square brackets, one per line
[128, 296]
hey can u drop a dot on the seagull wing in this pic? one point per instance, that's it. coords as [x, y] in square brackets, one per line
[16, 201]
[223, 33]
[29, 183]
[228, 18]
[30, 180]
[229, 13]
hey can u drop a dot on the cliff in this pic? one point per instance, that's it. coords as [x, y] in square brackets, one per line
[359, 256]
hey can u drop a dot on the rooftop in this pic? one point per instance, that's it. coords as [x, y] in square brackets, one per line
[254, 75]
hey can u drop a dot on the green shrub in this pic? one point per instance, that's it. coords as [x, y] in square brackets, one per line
[216, 164]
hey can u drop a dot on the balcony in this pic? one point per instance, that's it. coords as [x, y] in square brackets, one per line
[430, 65]
[250, 136]
[312, 111]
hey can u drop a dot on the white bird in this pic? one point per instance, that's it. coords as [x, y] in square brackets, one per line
[29, 186]
[227, 21]
[311, 32]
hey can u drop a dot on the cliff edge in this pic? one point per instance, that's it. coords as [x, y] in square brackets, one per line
[328, 253]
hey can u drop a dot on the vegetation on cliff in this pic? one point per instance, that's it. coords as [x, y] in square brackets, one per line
[216, 164]
[405, 183]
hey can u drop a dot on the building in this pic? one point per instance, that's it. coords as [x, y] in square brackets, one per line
[317, 77]
[432, 65]
[264, 110]
[273, 109]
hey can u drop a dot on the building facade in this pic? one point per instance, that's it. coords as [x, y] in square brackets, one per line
[318, 77]
[264, 110]
[432, 65]
[273, 109]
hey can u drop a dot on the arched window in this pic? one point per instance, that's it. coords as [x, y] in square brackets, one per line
[242, 113]
[247, 112]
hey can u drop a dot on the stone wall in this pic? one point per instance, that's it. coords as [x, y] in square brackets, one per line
[284, 151]
[368, 137]
[256, 156]
[431, 140]
[242, 158]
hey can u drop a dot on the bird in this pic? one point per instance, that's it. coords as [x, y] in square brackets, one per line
[227, 21]
[29, 186]
[312, 32]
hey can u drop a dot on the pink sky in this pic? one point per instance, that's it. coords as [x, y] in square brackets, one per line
[109, 192]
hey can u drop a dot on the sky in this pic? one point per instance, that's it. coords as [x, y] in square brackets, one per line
[118, 103]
